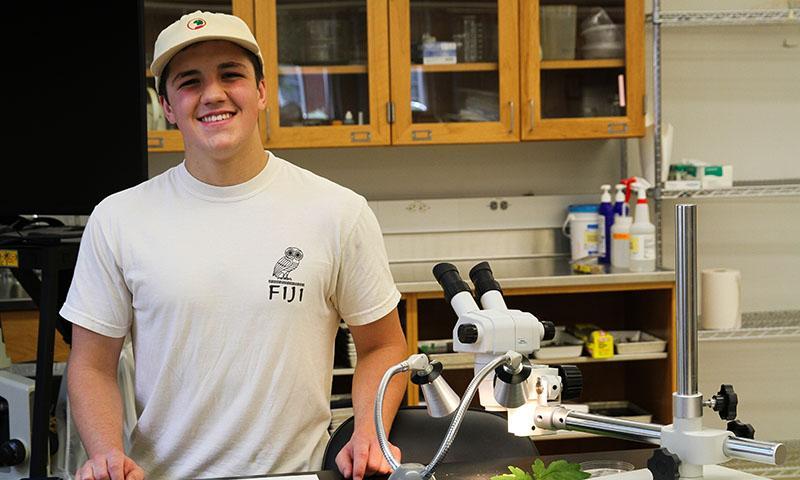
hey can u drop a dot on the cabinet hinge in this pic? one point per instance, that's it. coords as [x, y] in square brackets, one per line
[390, 112]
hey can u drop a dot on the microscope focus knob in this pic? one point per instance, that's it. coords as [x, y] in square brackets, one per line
[12, 453]
[664, 465]
[467, 333]
[549, 330]
[743, 430]
[725, 402]
[571, 381]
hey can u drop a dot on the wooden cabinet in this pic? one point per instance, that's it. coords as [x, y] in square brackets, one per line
[327, 72]
[161, 135]
[594, 90]
[366, 72]
[647, 380]
[474, 100]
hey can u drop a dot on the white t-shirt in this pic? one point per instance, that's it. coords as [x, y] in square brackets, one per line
[232, 296]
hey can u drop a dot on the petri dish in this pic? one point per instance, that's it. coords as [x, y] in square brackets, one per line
[601, 468]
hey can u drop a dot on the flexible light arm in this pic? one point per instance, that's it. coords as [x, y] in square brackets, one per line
[455, 424]
[420, 362]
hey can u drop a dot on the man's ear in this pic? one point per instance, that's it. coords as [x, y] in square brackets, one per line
[262, 94]
[168, 112]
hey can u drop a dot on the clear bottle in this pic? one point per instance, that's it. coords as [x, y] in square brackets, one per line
[621, 241]
[643, 235]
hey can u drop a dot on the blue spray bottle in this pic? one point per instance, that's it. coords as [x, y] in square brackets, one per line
[605, 219]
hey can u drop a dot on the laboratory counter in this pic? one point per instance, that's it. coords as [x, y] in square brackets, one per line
[518, 274]
[485, 469]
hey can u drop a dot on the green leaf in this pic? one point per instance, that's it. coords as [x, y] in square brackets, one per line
[516, 474]
[538, 468]
[563, 470]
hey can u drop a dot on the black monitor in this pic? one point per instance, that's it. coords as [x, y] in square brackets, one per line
[75, 79]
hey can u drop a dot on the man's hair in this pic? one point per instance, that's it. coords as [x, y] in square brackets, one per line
[162, 80]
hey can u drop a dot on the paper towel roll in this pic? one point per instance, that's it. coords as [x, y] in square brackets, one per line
[720, 299]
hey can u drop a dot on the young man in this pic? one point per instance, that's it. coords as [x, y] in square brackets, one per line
[230, 272]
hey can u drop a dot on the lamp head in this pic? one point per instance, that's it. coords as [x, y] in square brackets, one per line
[440, 399]
[510, 387]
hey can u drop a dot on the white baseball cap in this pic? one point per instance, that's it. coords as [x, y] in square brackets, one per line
[199, 27]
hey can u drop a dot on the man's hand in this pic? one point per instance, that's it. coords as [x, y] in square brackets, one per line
[113, 465]
[362, 456]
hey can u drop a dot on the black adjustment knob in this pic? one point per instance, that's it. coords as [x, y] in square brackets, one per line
[664, 465]
[12, 452]
[725, 402]
[743, 430]
[467, 333]
[571, 382]
[549, 330]
[424, 378]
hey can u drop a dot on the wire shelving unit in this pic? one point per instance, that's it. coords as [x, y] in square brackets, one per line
[660, 19]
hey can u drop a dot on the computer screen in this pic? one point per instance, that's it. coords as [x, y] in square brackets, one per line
[75, 94]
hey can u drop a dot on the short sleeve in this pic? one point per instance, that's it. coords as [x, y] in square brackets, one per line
[98, 298]
[365, 289]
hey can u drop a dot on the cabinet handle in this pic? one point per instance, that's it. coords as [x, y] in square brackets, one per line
[531, 104]
[360, 137]
[511, 117]
[267, 127]
[155, 142]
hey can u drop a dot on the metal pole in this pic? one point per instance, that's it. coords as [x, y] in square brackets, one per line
[686, 279]
[613, 427]
[657, 129]
[755, 451]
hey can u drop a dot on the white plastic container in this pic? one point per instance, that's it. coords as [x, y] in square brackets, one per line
[621, 241]
[581, 224]
[643, 235]
[559, 25]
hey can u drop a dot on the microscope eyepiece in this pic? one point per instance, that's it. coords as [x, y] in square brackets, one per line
[483, 279]
[450, 279]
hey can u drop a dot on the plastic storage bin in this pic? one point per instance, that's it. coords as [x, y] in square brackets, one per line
[558, 31]
[631, 342]
[563, 345]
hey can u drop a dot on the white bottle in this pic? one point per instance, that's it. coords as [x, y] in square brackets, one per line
[621, 242]
[643, 235]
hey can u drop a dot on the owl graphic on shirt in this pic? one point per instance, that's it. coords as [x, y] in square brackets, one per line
[290, 261]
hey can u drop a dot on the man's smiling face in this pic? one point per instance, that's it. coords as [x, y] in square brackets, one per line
[214, 97]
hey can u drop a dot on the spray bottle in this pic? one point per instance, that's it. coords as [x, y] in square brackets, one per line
[620, 201]
[643, 233]
[605, 218]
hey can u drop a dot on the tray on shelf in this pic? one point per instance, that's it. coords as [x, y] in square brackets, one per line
[563, 345]
[632, 342]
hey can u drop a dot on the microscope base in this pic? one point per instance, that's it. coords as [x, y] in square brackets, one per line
[710, 472]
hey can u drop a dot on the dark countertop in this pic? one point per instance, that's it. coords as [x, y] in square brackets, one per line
[485, 469]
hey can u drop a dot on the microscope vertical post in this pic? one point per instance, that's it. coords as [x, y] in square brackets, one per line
[686, 278]
[687, 402]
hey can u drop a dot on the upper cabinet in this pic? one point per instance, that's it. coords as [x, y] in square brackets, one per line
[416, 72]
[161, 135]
[582, 65]
[455, 71]
[327, 72]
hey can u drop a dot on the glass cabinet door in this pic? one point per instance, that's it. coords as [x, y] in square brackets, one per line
[326, 71]
[163, 136]
[454, 71]
[583, 69]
